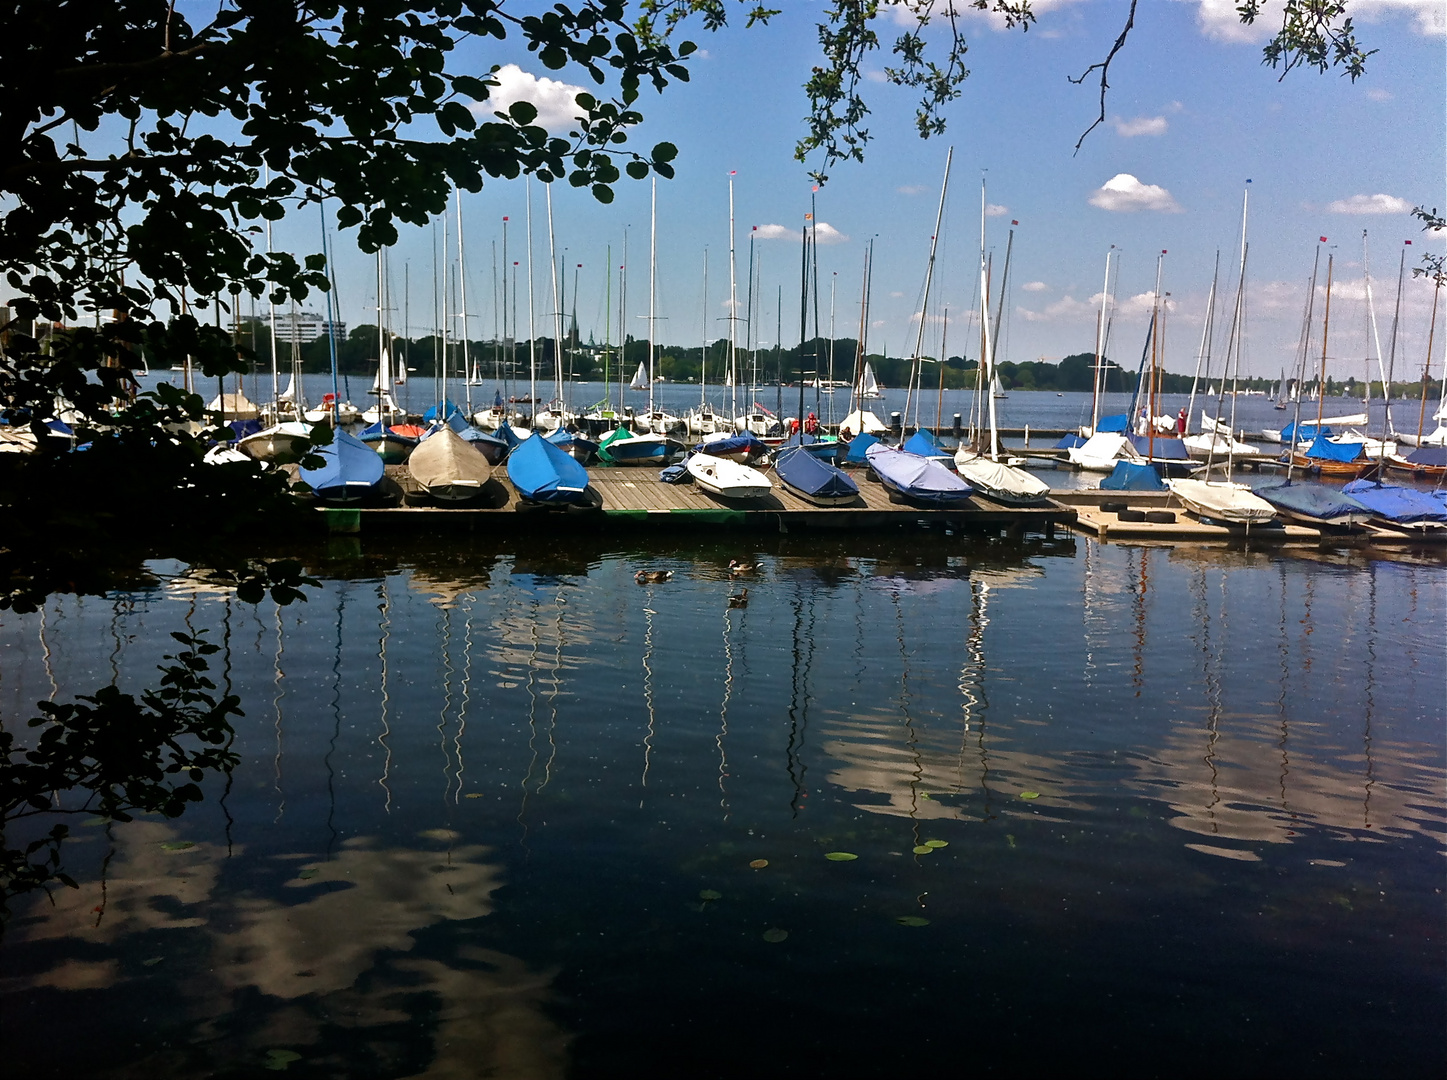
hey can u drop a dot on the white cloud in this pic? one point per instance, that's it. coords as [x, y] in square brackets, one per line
[825, 233]
[1139, 125]
[1035, 286]
[552, 98]
[911, 189]
[993, 18]
[1370, 204]
[1123, 193]
[1376, 93]
[895, 295]
[996, 210]
[1218, 19]
[875, 76]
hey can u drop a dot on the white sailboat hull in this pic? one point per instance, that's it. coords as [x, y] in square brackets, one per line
[727, 479]
[1222, 501]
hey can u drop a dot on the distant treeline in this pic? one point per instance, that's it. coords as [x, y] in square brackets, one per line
[588, 361]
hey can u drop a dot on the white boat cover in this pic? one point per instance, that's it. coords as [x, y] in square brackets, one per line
[1222, 501]
[1101, 451]
[861, 422]
[995, 478]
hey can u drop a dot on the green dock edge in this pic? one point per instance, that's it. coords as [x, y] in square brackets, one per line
[701, 517]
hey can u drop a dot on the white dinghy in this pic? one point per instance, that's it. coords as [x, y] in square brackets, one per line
[727, 479]
[1000, 482]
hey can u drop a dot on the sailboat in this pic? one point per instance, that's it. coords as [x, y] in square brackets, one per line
[869, 388]
[997, 390]
[1405, 509]
[1324, 456]
[814, 480]
[727, 479]
[544, 473]
[917, 480]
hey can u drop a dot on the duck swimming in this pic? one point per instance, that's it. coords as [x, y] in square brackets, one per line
[736, 567]
[652, 577]
[741, 600]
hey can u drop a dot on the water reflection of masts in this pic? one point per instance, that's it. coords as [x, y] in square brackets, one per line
[974, 699]
[803, 658]
[1138, 605]
[444, 612]
[466, 695]
[723, 711]
[276, 710]
[558, 643]
[1370, 778]
[336, 723]
[227, 688]
[1211, 681]
[1284, 651]
[910, 736]
[648, 614]
[532, 718]
[1093, 623]
[384, 633]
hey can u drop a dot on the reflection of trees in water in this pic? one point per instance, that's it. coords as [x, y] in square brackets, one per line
[327, 965]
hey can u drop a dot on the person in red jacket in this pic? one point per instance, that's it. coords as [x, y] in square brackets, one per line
[811, 425]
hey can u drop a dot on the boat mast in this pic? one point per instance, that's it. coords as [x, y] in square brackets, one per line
[557, 305]
[271, 326]
[803, 319]
[468, 375]
[652, 289]
[987, 352]
[1204, 352]
[1325, 326]
[924, 303]
[1156, 336]
[607, 327]
[856, 387]
[532, 317]
[833, 287]
[1427, 367]
[383, 376]
[733, 311]
[703, 351]
[1389, 429]
[1301, 369]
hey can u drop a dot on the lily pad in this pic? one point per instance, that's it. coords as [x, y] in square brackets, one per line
[311, 873]
[1029, 794]
[278, 1060]
[758, 864]
[912, 920]
[709, 894]
[473, 795]
[177, 845]
[96, 821]
[923, 849]
[840, 856]
[152, 961]
[775, 935]
[936, 843]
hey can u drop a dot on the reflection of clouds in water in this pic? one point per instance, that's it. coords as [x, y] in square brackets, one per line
[289, 971]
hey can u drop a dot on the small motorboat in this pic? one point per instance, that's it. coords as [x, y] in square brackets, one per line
[727, 479]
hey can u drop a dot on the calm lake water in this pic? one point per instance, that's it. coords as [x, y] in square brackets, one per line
[503, 811]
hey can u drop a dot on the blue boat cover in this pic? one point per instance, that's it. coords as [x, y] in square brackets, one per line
[819, 447]
[1311, 499]
[376, 432]
[571, 439]
[347, 462]
[675, 474]
[1399, 504]
[242, 428]
[802, 471]
[507, 435]
[1119, 423]
[1129, 476]
[446, 411]
[859, 448]
[1434, 456]
[543, 473]
[920, 478]
[734, 445]
[924, 444]
[1290, 432]
[1323, 449]
[1165, 449]
[1069, 442]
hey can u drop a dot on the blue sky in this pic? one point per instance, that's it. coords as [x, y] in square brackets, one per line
[1192, 115]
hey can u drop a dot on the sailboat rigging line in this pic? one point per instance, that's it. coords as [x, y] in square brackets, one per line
[924, 301]
[532, 317]
[803, 320]
[814, 272]
[557, 304]
[1305, 358]
[733, 311]
[1377, 342]
[332, 833]
[1396, 322]
[468, 375]
[648, 614]
[384, 630]
[652, 291]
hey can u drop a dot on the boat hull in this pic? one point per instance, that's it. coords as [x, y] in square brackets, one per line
[727, 479]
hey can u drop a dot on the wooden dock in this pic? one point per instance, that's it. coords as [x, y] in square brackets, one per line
[637, 497]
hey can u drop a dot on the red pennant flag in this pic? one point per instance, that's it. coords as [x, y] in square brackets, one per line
[1013, 222]
[1321, 239]
[1407, 242]
[755, 228]
[733, 172]
[504, 217]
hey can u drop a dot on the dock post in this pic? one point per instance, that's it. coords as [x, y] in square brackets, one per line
[957, 428]
[1027, 436]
